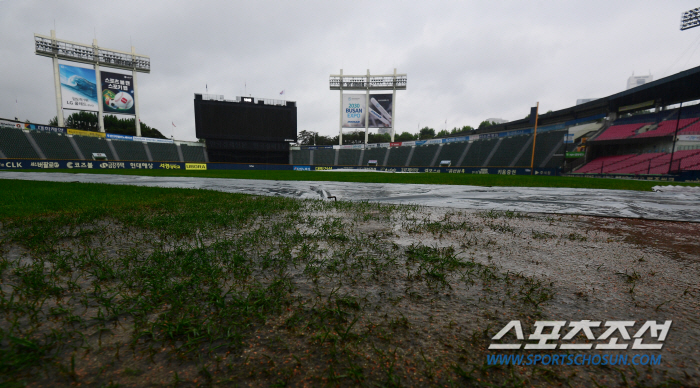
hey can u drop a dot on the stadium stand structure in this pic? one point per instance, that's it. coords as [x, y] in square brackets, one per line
[54, 146]
[507, 151]
[479, 152]
[192, 153]
[90, 145]
[452, 152]
[163, 152]
[375, 153]
[423, 155]
[324, 156]
[300, 157]
[130, 150]
[14, 144]
[653, 163]
[347, 157]
[398, 156]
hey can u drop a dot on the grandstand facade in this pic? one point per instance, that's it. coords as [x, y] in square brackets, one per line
[497, 150]
[22, 141]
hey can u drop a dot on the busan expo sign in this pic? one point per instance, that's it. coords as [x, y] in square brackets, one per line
[354, 110]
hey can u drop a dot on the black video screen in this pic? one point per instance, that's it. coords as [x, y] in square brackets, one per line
[245, 121]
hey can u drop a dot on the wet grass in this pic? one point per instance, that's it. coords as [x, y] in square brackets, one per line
[371, 177]
[135, 286]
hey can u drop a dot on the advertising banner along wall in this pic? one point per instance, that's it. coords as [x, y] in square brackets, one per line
[380, 110]
[118, 93]
[354, 110]
[78, 88]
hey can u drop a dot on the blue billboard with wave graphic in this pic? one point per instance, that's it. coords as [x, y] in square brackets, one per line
[78, 88]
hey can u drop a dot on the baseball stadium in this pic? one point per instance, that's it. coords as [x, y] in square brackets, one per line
[560, 249]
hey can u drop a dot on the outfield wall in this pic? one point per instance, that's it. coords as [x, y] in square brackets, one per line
[24, 164]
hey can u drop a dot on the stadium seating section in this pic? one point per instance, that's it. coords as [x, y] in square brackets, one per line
[506, 152]
[300, 157]
[377, 153]
[348, 157]
[192, 153]
[649, 163]
[90, 145]
[130, 150]
[164, 152]
[667, 128]
[622, 131]
[478, 152]
[324, 157]
[423, 155]
[398, 156]
[452, 152]
[54, 146]
[14, 144]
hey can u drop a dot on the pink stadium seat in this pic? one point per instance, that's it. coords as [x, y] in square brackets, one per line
[636, 164]
[693, 129]
[622, 131]
[667, 127]
[605, 162]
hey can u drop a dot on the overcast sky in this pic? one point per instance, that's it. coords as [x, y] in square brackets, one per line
[465, 60]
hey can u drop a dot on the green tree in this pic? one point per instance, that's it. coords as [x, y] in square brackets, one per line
[486, 124]
[443, 133]
[426, 133]
[404, 136]
[87, 121]
[305, 137]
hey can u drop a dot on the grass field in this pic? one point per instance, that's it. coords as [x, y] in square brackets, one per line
[106, 285]
[421, 178]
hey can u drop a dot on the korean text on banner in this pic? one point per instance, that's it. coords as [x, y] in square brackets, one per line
[78, 88]
[118, 93]
[85, 133]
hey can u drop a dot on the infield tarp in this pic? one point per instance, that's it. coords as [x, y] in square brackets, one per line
[673, 206]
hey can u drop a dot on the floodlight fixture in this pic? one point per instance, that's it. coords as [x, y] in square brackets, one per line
[690, 19]
[59, 49]
[369, 83]
[76, 52]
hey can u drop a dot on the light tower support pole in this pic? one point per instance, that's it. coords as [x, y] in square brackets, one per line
[98, 82]
[340, 134]
[367, 111]
[393, 109]
[57, 83]
[137, 118]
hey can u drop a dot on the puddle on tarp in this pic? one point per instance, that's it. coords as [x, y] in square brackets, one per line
[671, 206]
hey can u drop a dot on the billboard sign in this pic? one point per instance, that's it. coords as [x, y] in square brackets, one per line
[78, 88]
[354, 110]
[11, 124]
[118, 93]
[380, 110]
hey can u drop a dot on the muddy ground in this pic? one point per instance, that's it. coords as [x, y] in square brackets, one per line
[341, 294]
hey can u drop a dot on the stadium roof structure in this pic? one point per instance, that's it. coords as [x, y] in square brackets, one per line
[674, 89]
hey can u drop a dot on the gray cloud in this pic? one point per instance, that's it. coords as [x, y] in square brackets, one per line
[466, 60]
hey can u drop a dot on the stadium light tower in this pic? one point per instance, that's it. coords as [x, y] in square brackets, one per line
[690, 19]
[356, 110]
[50, 46]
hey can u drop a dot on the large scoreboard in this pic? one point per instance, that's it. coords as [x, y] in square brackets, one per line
[247, 130]
[247, 118]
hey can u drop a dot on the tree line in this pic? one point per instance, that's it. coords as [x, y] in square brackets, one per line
[87, 121]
